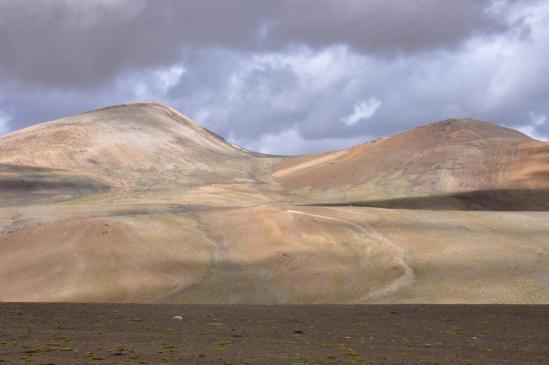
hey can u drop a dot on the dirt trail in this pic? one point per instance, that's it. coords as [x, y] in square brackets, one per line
[405, 280]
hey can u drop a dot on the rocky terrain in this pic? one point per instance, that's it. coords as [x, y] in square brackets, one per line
[137, 203]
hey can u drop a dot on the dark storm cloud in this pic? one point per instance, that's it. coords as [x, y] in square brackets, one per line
[382, 26]
[78, 44]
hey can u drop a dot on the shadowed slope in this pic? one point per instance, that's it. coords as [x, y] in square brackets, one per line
[491, 200]
[131, 136]
[29, 184]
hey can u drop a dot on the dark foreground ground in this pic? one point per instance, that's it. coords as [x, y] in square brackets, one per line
[331, 334]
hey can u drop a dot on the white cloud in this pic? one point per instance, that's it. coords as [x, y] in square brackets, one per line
[531, 132]
[317, 70]
[4, 120]
[153, 85]
[538, 121]
[290, 142]
[362, 111]
[168, 78]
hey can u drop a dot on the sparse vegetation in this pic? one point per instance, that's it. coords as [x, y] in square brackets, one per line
[331, 336]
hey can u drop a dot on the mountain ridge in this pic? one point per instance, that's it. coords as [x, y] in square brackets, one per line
[137, 203]
[181, 118]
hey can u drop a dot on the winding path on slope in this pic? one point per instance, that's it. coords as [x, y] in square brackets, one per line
[406, 279]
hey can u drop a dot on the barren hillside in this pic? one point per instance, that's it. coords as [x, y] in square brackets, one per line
[448, 157]
[136, 203]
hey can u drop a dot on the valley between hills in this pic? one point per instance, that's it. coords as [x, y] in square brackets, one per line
[137, 203]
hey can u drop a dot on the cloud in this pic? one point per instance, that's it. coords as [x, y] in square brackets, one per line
[494, 78]
[290, 142]
[4, 120]
[79, 44]
[265, 81]
[383, 26]
[532, 130]
[153, 84]
[362, 110]
[245, 97]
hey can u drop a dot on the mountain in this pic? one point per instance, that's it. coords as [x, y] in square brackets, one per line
[138, 147]
[137, 203]
[128, 136]
[448, 157]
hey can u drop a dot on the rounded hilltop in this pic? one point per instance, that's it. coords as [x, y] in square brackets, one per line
[139, 135]
[449, 156]
[463, 130]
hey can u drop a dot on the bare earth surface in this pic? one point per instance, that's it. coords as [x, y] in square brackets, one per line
[137, 203]
[241, 334]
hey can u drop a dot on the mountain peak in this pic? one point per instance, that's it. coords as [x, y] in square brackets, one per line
[464, 130]
[139, 135]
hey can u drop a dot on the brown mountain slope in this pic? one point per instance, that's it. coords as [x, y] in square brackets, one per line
[445, 157]
[137, 203]
[119, 142]
[130, 136]
[138, 147]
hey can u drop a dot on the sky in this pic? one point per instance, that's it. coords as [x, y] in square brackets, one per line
[285, 76]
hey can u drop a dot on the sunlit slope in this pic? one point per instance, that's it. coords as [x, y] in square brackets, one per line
[446, 157]
[136, 148]
[127, 145]
[132, 136]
